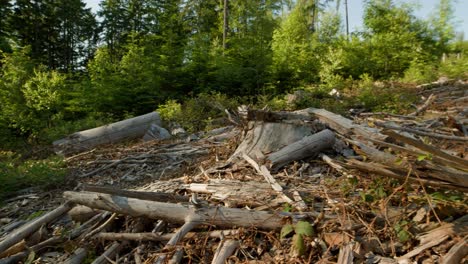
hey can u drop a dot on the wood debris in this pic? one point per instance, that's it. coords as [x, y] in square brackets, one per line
[309, 186]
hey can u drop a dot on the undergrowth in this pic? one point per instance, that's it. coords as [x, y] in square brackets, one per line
[16, 174]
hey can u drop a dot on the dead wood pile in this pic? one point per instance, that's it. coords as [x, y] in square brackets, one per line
[309, 186]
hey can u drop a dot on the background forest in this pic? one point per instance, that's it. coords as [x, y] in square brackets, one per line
[64, 69]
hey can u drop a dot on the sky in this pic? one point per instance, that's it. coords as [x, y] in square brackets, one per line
[355, 10]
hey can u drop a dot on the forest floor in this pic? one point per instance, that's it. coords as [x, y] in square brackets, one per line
[401, 199]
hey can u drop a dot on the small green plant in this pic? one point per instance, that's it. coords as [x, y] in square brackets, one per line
[35, 215]
[300, 231]
[376, 191]
[170, 111]
[402, 231]
[422, 157]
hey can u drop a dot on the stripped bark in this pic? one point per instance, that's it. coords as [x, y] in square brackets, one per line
[127, 129]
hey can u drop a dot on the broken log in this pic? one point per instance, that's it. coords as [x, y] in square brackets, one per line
[307, 147]
[457, 252]
[438, 235]
[220, 216]
[127, 129]
[250, 193]
[225, 250]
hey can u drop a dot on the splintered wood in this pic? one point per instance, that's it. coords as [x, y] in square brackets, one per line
[309, 186]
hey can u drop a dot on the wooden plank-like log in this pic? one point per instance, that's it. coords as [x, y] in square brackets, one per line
[149, 236]
[29, 228]
[220, 216]
[127, 129]
[304, 148]
[150, 196]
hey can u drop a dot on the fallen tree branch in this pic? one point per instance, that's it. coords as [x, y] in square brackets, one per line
[435, 151]
[381, 170]
[426, 104]
[29, 228]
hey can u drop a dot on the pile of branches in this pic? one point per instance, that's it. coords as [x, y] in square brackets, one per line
[309, 186]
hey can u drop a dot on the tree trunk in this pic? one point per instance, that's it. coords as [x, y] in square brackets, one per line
[220, 216]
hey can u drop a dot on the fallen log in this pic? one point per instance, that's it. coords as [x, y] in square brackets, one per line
[29, 228]
[307, 147]
[219, 216]
[127, 129]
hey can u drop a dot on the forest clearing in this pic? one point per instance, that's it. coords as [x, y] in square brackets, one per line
[274, 187]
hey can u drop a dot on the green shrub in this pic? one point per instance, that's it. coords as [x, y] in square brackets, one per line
[170, 111]
[198, 113]
[420, 72]
[455, 67]
[15, 175]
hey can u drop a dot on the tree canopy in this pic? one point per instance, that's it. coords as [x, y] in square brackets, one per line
[61, 62]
